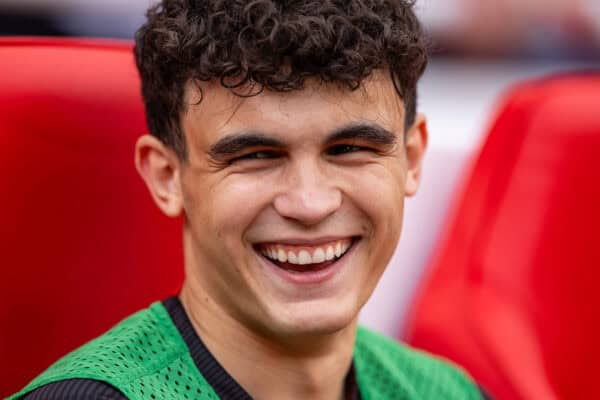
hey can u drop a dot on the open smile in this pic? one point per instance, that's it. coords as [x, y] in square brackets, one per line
[304, 258]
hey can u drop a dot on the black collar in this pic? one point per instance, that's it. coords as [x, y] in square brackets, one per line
[222, 383]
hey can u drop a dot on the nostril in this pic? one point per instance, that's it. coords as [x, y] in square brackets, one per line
[308, 207]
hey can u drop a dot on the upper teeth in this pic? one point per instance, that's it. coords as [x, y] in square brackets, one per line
[306, 255]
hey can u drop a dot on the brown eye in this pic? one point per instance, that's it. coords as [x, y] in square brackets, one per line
[257, 155]
[344, 149]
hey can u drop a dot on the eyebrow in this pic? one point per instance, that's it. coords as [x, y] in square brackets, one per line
[363, 131]
[235, 143]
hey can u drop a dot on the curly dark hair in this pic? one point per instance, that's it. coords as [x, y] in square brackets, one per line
[274, 45]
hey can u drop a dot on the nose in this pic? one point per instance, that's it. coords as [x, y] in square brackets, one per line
[309, 196]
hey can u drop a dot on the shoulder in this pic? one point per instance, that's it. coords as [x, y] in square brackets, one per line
[389, 369]
[76, 389]
[137, 347]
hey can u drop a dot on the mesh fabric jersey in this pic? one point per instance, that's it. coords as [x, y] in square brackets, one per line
[146, 357]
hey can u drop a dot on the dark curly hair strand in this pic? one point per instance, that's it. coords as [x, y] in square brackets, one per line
[274, 45]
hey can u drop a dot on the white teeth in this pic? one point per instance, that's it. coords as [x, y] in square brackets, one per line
[281, 255]
[330, 255]
[338, 249]
[304, 258]
[318, 256]
[292, 259]
[345, 247]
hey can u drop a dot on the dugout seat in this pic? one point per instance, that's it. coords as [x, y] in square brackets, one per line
[513, 290]
[81, 243]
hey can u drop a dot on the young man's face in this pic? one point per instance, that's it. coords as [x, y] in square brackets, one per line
[293, 201]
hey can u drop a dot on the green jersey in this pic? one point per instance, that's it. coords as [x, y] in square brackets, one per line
[146, 357]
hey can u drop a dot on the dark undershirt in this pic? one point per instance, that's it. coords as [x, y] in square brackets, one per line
[219, 379]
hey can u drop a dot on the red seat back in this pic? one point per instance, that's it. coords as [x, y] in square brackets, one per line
[513, 293]
[81, 243]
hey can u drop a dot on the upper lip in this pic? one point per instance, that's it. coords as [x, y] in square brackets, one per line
[306, 241]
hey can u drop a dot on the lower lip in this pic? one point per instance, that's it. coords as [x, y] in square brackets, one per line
[310, 277]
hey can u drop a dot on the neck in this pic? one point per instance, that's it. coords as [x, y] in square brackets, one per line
[268, 367]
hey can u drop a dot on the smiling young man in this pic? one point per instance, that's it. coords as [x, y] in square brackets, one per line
[286, 135]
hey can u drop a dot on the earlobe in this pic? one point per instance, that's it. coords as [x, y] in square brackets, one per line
[416, 143]
[159, 167]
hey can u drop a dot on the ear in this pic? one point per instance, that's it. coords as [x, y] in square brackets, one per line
[416, 142]
[160, 167]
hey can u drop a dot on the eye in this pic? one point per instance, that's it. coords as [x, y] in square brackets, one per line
[345, 148]
[257, 155]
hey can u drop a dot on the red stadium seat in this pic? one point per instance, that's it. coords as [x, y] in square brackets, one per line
[81, 243]
[514, 290]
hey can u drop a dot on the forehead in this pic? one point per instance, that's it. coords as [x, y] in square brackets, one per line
[213, 111]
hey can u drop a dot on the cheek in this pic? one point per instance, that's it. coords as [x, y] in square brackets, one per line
[230, 206]
[378, 191]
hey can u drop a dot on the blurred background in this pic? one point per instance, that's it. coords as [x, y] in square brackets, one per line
[480, 48]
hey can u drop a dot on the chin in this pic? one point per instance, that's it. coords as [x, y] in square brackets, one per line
[315, 318]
